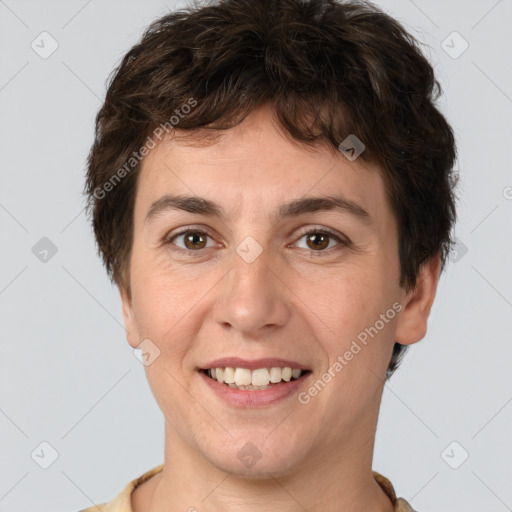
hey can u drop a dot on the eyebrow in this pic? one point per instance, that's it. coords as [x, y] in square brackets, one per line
[202, 206]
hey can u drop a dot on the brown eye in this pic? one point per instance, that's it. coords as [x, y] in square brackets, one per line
[191, 240]
[195, 240]
[317, 241]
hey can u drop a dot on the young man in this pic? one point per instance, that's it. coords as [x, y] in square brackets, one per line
[271, 190]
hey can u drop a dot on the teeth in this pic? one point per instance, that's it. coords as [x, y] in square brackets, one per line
[262, 378]
[275, 375]
[229, 375]
[242, 377]
[286, 374]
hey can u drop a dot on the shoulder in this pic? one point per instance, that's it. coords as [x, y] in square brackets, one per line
[122, 502]
[401, 505]
[100, 507]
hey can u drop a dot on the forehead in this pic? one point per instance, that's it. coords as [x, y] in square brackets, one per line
[255, 165]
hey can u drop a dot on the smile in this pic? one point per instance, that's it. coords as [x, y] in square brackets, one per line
[254, 380]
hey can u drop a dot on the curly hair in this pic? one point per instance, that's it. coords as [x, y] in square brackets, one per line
[328, 68]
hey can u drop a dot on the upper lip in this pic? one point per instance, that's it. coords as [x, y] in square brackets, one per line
[267, 362]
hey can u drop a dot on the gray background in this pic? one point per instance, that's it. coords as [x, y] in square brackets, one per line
[69, 377]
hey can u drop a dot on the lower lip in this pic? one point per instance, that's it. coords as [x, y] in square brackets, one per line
[245, 398]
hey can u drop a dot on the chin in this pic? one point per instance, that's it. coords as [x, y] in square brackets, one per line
[253, 457]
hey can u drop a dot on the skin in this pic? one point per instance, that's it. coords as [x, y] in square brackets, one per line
[289, 303]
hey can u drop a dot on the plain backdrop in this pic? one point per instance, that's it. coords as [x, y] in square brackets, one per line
[74, 397]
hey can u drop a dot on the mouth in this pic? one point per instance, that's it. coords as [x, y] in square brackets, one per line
[258, 379]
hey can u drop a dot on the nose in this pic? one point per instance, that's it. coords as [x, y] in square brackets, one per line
[253, 299]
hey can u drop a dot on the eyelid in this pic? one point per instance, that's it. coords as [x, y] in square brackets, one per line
[167, 240]
[321, 229]
[341, 239]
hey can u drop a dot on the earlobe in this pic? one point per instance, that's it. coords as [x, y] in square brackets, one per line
[411, 324]
[129, 318]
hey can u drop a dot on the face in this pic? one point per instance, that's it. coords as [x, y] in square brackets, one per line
[312, 286]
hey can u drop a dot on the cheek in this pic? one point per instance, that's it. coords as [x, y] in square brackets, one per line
[342, 299]
[357, 343]
[170, 305]
[159, 305]
[161, 294]
[347, 308]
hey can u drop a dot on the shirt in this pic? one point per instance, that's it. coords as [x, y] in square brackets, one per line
[122, 502]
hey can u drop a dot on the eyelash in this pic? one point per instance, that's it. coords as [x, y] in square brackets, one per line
[323, 231]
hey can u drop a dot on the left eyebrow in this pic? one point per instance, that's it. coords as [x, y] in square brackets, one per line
[203, 206]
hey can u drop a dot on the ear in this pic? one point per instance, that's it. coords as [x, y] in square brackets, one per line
[411, 324]
[129, 318]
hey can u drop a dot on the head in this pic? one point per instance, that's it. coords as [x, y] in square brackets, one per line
[252, 105]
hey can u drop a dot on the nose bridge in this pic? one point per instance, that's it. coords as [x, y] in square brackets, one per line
[252, 297]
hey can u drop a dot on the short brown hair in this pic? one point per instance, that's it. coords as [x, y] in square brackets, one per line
[328, 68]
